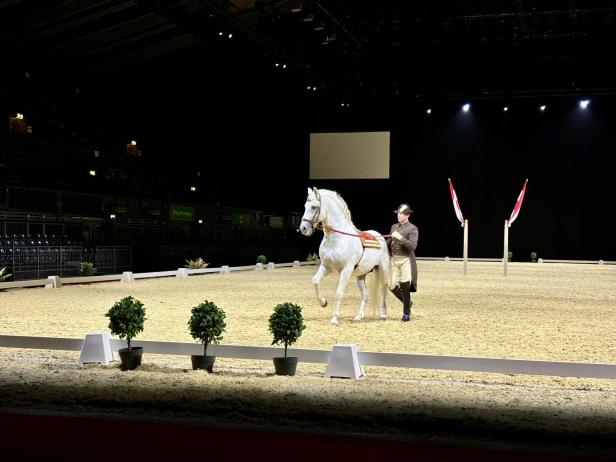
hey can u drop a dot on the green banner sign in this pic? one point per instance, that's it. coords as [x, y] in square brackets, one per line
[181, 213]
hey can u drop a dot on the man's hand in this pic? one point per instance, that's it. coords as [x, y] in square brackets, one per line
[396, 235]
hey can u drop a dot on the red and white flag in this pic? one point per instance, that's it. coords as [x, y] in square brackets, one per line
[518, 204]
[456, 205]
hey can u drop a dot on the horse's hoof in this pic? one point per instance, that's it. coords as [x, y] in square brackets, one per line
[358, 318]
[333, 321]
[323, 302]
[383, 318]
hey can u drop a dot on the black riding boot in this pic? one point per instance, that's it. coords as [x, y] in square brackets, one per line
[398, 293]
[406, 300]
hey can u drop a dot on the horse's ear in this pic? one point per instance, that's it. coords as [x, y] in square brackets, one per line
[310, 193]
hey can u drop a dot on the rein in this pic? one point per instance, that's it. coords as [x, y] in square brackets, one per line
[320, 227]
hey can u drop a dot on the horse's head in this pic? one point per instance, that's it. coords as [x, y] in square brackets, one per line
[312, 212]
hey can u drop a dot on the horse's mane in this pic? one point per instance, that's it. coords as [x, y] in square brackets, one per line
[338, 197]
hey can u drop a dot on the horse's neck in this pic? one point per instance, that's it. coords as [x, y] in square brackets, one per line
[336, 217]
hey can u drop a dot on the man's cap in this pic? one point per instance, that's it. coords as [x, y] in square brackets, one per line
[404, 208]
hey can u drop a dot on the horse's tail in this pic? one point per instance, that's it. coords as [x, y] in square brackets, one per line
[375, 291]
[386, 266]
[379, 281]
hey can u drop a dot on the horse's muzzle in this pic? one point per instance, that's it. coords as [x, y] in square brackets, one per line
[306, 229]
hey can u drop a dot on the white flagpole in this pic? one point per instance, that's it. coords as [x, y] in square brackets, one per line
[465, 249]
[506, 248]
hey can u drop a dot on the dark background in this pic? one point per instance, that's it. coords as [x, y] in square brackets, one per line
[102, 73]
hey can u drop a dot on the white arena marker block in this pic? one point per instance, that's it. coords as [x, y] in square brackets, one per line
[540, 260]
[54, 282]
[270, 265]
[446, 258]
[296, 264]
[343, 363]
[224, 269]
[96, 349]
[259, 267]
[601, 262]
[128, 277]
[182, 273]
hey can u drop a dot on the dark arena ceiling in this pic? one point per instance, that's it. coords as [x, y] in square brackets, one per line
[229, 90]
[347, 48]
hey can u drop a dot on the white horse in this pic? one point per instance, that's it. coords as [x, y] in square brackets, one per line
[342, 250]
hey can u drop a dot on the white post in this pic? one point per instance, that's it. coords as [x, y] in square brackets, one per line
[506, 248]
[465, 249]
[343, 362]
[53, 282]
[96, 348]
[128, 277]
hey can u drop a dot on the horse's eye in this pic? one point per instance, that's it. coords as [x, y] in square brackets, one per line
[313, 207]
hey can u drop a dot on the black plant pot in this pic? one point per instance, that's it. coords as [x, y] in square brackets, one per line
[285, 365]
[202, 362]
[130, 358]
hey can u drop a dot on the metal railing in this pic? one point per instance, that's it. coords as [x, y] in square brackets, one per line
[113, 259]
[28, 262]
[36, 262]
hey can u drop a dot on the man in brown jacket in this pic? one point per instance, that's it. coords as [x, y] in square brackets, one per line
[402, 245]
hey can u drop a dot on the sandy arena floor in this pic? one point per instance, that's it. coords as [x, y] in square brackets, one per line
[539, 311]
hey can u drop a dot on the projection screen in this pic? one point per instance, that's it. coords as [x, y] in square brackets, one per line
[358, 155]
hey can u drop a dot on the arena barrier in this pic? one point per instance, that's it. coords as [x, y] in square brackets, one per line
[342, 361]
[129, 277]
[53, 282]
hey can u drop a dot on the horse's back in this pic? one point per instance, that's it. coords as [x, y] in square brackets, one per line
[379, 237]
[374, 233]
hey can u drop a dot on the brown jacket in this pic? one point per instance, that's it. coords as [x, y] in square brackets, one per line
[405, 246]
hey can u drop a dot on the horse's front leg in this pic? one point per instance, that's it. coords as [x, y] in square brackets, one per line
[345, 274]
[316, 279]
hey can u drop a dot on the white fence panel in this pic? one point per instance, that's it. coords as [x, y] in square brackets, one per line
[414, 361]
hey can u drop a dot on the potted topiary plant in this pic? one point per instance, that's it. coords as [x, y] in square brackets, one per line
[206, 324]
[126, 318]
[85, 268]
[312, 257]
[262, 259]
[286, 324]
[533, 257]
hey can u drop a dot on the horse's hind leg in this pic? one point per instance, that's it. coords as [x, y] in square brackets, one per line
[316, 279]
[363, 291]
[383, 310]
